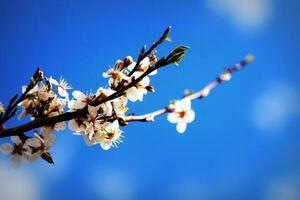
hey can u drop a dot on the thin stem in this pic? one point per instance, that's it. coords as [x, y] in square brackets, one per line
[12, 106]
[150, 117]
[143, 55]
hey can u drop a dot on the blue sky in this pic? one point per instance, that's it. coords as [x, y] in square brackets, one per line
[244, 143]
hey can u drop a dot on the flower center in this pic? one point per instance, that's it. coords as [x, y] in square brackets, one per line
[110, 135]
[18, 148]
[115, 75]
[181, 114]
[88, 100]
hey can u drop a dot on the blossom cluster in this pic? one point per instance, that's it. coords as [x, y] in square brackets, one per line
[47, 98]
[29, 149]
[96, 117]
[101, 121]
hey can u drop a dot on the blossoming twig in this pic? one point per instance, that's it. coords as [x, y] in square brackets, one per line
[95, 117]
[175, 56]
[13, 103]
[150, 117]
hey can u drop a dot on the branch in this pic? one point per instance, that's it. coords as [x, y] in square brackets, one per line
[142, 54]
[13, 103]
[39, 122]
[149, 117]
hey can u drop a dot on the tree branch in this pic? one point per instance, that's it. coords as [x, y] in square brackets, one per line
[39, 122]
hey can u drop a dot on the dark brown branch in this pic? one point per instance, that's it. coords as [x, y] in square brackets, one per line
[13, 103]
[72, 115]
[142, 55]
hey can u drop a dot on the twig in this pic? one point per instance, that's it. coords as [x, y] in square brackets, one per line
[142, 55]
[13, 103]
[150, 117]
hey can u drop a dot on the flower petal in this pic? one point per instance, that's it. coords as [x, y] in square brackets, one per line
[6, 148]
[115, 125]
[78, 95]
[181, 126]
[189, 116]
[62, 92]
[93, 111]
[88, 141]
[132, 94]
[16, 160]
[49, 139]
[33, 142]
[106, 144]
[172, 117]
[16, 139]
[89, 131]
[53, 81]
[73, 126]
[153, 73]
[60, 126]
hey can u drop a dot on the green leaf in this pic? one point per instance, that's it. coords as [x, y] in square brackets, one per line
[178, 59]
[180, 49]
[47, 157]
[168, 39]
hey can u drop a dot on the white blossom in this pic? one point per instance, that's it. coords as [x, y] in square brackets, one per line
[34, 104]
[41, 143]
[77, 126]
[182, 114]
[119, 106]
[143, 66]
[138, 91]
[115, 76]
[111, 136]
[62, 86]
[80, 101]
[18, 151]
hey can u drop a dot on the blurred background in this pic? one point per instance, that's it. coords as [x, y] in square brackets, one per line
[244, 143]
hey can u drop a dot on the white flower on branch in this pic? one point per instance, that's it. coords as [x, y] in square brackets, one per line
[18, 151]
[139, 90]
[41, 143]
[182, 114]
[77, 126]
[115, 77]
[81, 100]
[96, 117]
[119, 106]
[144, 65]
[44, 94]
[37, 102]
[62, 86]
[111, 136]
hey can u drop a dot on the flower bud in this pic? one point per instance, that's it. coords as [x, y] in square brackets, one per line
[40, 75]
[226, 76]
[127, 61]
[150, 88]
[119, 64]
